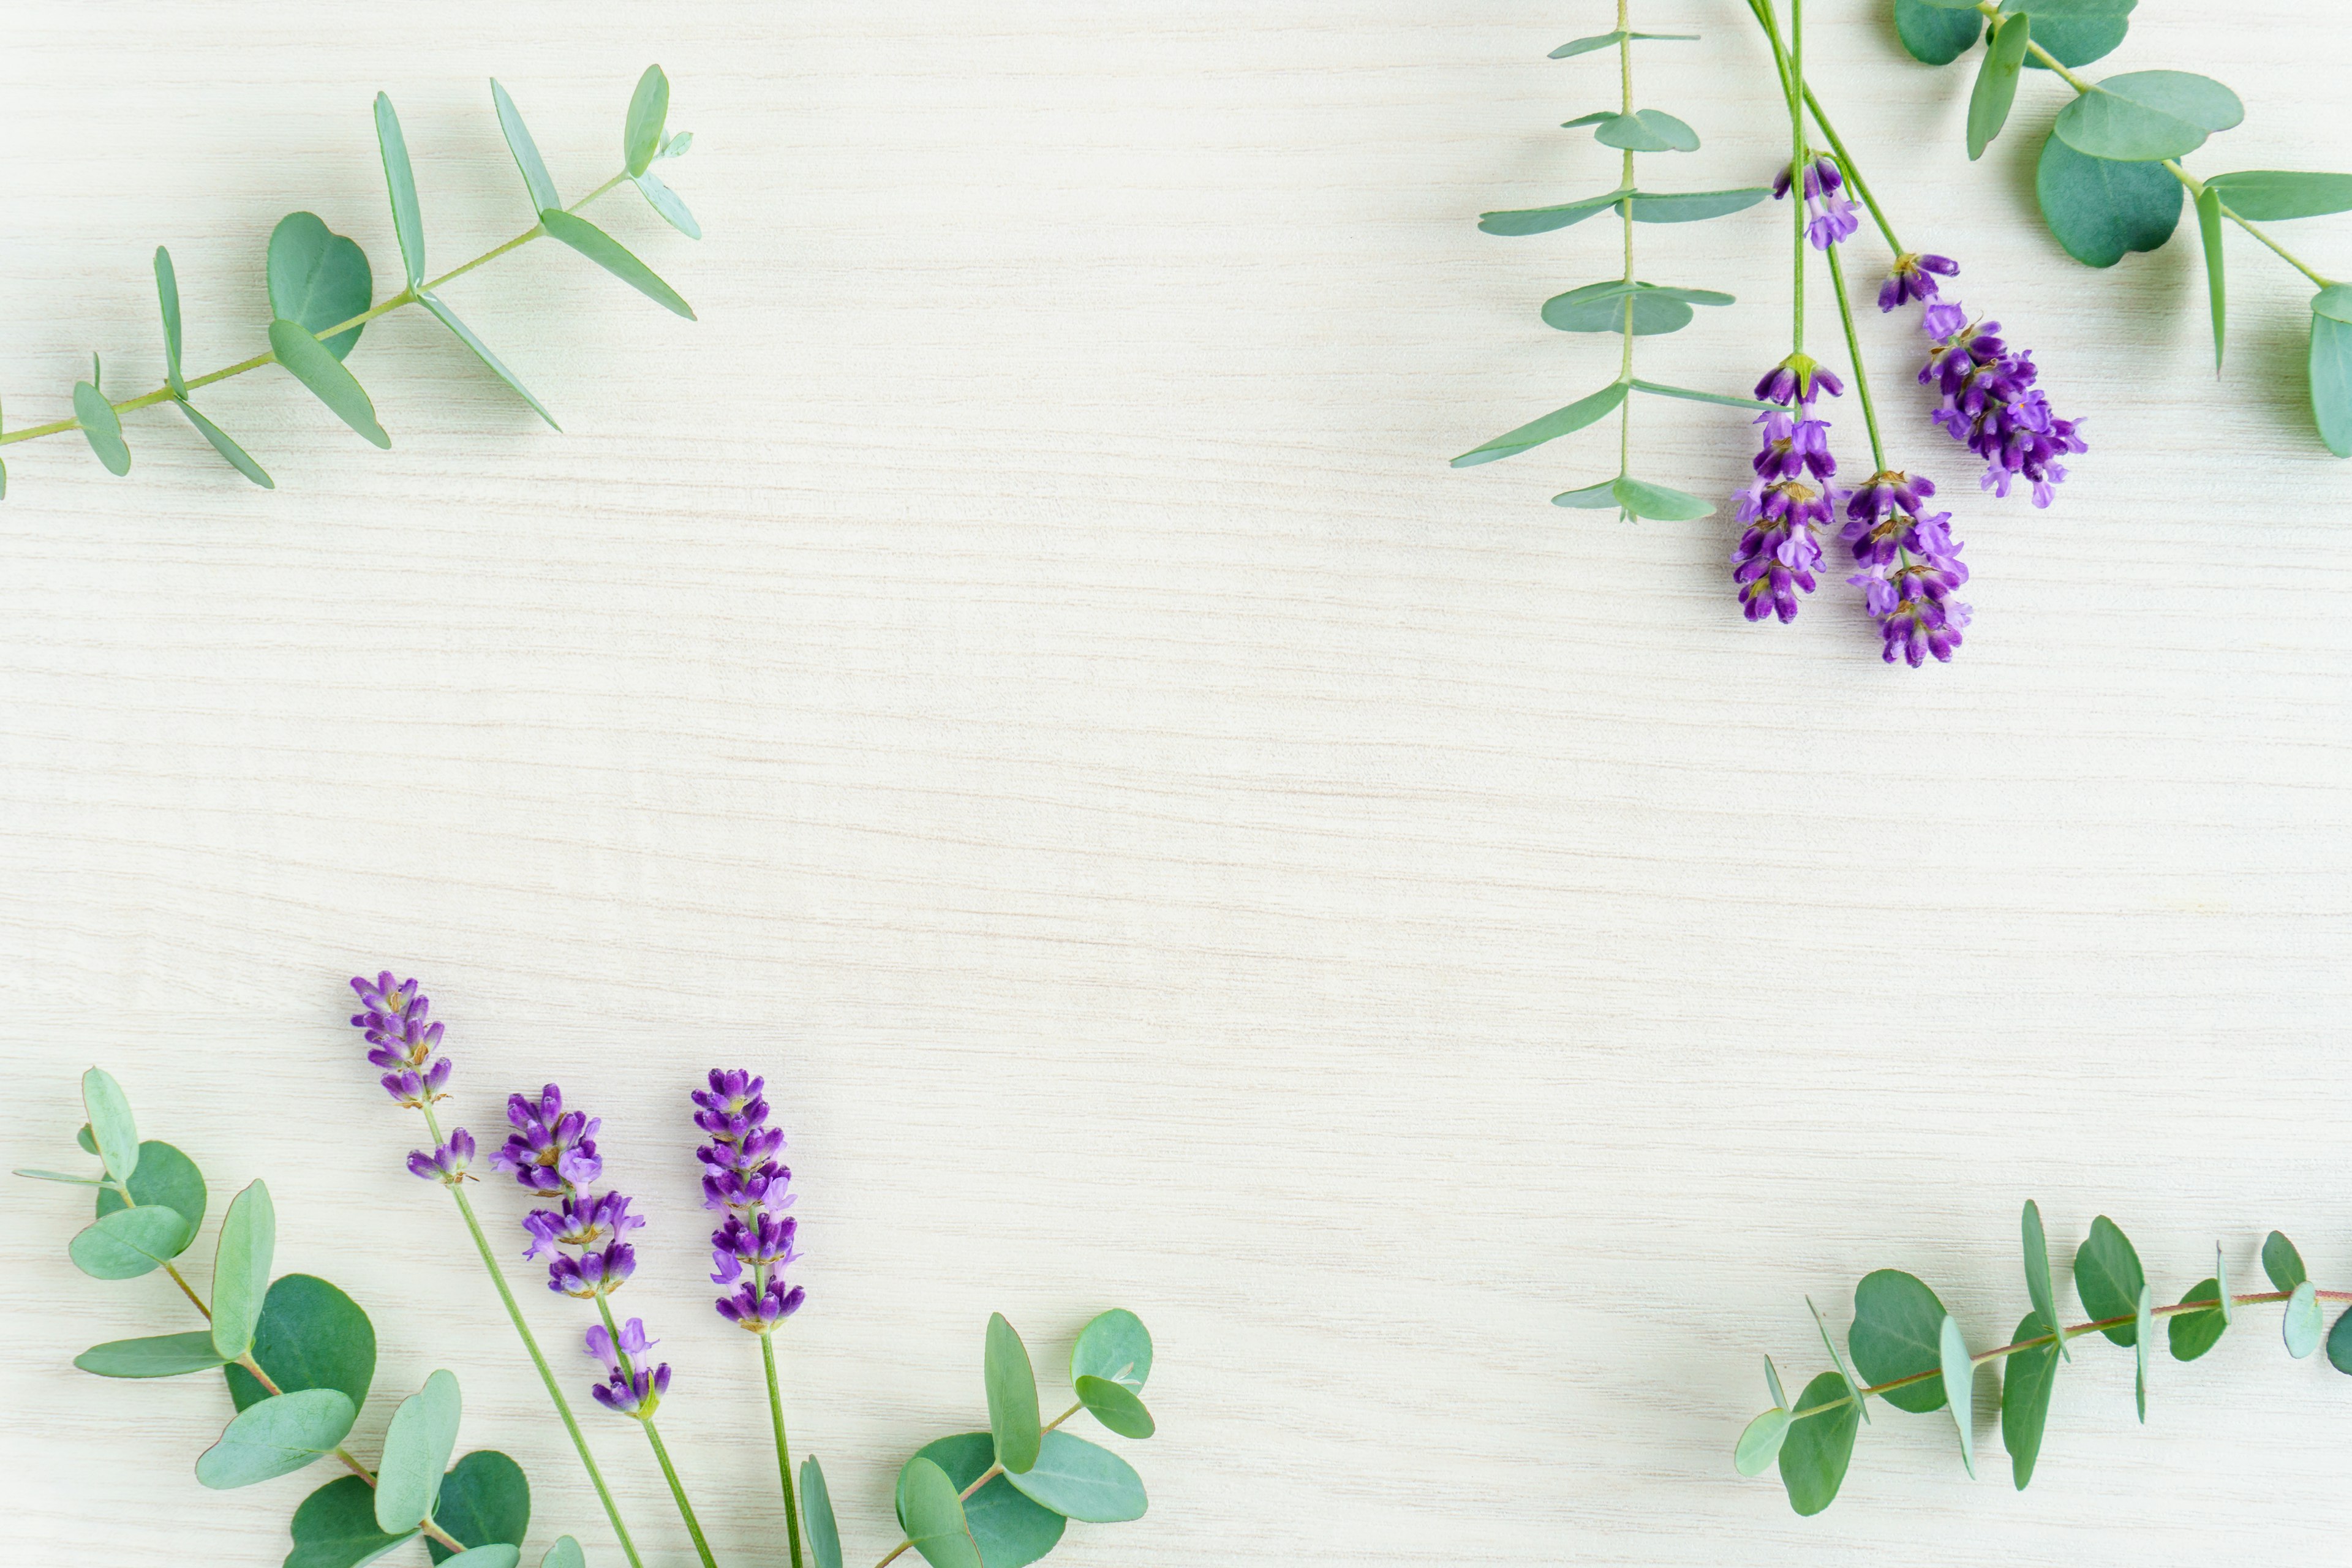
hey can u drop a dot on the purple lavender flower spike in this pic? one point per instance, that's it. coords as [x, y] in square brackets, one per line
[1778, 555]
[1913, 278]
[393, 1016]
[744, 1181]
[1992, 405]
[1831, 217]
[627, 1388]
[447, 1163]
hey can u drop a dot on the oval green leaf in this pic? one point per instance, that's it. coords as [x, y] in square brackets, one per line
[310, 1335]
[1692, 394]
[1591, 498]
[2330, 370]
[1898, 1332]
[1116, 1406]
[129, 1242]
[933, 1516]
[1663, 504]
[2037, 1274]
[416, 1448]
[166, 1176]
[1586, 45]
[566, 1553]
[2027, 1379]
[335, 1528]
[249, 1239]
[1081, 1480]
[2108, 1277]
[607, 253]
[1959, 1389]
[167, 296]
[1116, 1347]
[1606, 307]
[2270, 196]
[101, 428]
[817, 1515]
[526, 151]
[318, 278]
[667, 202]
[1817, 1450]
[465, 334]
[1557, 423]
[1693, 206]
[2209, 230]
[1010, 1531]
[2303, 1327]
[641, 137]
[1012, 1395]
[277, 1437]
[2141, 115]
[1837, 1359]
[1645, 131]
[497, 1554]
[1543, 220]
[1996, 87]
[27, 1171]
[2340, 1344]
[1773, 1382]
[236, 455]
[1934, 34]
[2282, 1262]
[484, 1498]
[308, 362]
[400, 182]
[165, 1355]
[2191, 1334]
[2076, 32]
[1759, 1442]
[2098, 210]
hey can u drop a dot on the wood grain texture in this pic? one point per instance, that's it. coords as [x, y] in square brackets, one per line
[1020, 672]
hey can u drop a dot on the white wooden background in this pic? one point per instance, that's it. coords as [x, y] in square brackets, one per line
[1019, 673]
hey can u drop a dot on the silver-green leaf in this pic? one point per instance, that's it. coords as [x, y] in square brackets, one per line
[1960, 1388]
[308, 362]
[417, 1449]
[249, 1239]
[649, 112]
[816, 1513]
[2302, 1326]
[1551, 426]
[163, 1355]
[2144, 115]
[400, 181]
[167, 296]
[318, 278]
[101, 428]
[608, 253]
[526, 151]
[110, 1121]
[276, 1436]
[667, 202]
[129, 1242]
[465, 334]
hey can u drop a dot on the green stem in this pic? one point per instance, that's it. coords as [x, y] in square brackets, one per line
[405, 297]
[1796, 157]
[986, 1476]
[784, 1448]
[1626, 215]
[2202, 1304]
[1853, 347]
[539, 1360]
[653, 1436]
[1853, 174]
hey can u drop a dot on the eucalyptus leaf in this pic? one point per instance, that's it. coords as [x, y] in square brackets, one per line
[61, 1176]
[1647, 130]
[933, 1516]
[1936, 34]
[1543, 220]
[2222, 1285]
[566, 1553]
[1010, 1531]
[164, 1355]
[2108, 1277]
[1837, 1359]
[1591, 498]
[667, 202]
[675, 146]
[1012, 1395]
[2037, 1276]
[1959, 1389]
[526, 151]
[1609, 40]
[2281, 1262]
[164, 1176]
[101, 428]
[817, 1515]
[484, 1498]
[2027, 1379]
[1661, 503]
[310, 1335]
[465, 334]
[308, 362]
[85, 1138]
[2098, 209]
[497, 1554]
[129, 1242]
[1693, 206]
[2339, 1344]
[277, 1437]
[2330, 367]
[2144, 1337]
[1773, 1382]
[1115, 1346]
[2193, 1333]
[241, 1261]
[641, 136]
[2270, 196]
[1759, 1442]
[1557, 423]
[2208, 229]
[238, 458]
[1996, 87]
[167, 297]
[1081, 1480]
[1692, 394]
[607, 253]
[2075, 31]
[400, 182]
[2303, 1327]
[1612, 306]
[1116, 1406]
[318, 279]
[1898, 1332]
[416, 1448]
[2141, 115]
[335, 1528]
[1817, 1448]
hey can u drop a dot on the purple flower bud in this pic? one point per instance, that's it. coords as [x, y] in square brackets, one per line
[743, 1180]
[447, 1163]
[627, 1388]
[1991, 405]
[760, 1310]
[1831, 218]
[393, 1018]
[1911, 278]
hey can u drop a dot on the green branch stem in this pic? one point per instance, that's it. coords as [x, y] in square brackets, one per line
[986, 1476]
[2201, 1304]
[405, 297]
[653, 1436]
[538, 1358]
[776, 1417]
[1853, 348]
[1625, 217]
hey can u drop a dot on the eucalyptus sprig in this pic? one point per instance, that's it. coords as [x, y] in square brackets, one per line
[1918, 1360]
[321, 287]
[1624, 305]
[2110, 180]
[298, 1356]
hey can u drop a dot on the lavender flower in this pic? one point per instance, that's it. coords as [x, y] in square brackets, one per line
[743, 1180]
[1831, 217]
[1991, 405]
[1911, 279]
[1780, 553]
[550, 1149]
[447, 1163]
[392, 1017]
[1910, 565]
[627, 1387]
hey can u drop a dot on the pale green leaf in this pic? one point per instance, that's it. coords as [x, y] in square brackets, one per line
[400, 181]
[276, 1437]
[308, 362]
[526, 151]
[607, 253]
[481, 351]
[249, 1239]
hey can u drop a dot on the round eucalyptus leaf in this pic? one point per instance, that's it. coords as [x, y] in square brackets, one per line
[2339, 1344]
[2099, 209]
[110, 1109]
[2330, 373]
[249, 1239]
[2282, 1262]
[933, 1516]
[2141, 115]
[1934, 34]
[484, 1498]
[1012, 1395]
[1082, 1480]
[129, 1242]
[166, 1178]
[1645, 131]
[1010, 1531]
[2193, 1333]
[2027, 1378]
[2076, 32]
[335, 1528]
[497, 1555]
[1116, 1406]
[416, 1447]
[1817, 1450]
[318, 278]
[1605, 308]
[2301, 1328]
[1759, 1442]
[277, 1437]
[1898, 1332]
[1959, 1389]
[2109, 1279]
[1116, 1347]
[817, 1517]
[310, 1335]
[566, 1553]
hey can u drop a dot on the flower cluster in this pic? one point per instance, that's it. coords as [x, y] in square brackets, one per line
[1909, 565]
[1779, 552]
[552, 1152]
[392, 1017]
[1913, 278]
[628, 1388]
[448, 1163]
[743, 1180]
[1830, 215]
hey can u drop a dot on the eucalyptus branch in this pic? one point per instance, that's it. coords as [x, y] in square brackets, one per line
[1918, 1360]
[995, 1468]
